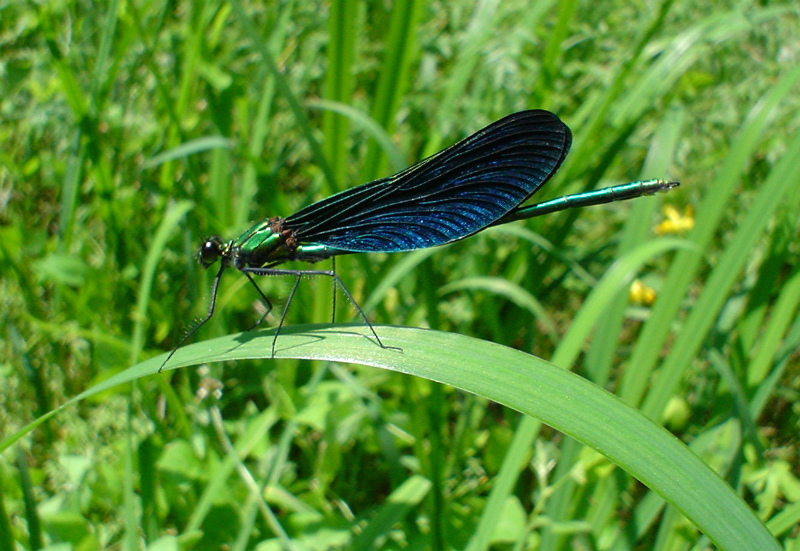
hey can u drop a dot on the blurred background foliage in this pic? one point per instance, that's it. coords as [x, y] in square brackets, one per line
[130, 130]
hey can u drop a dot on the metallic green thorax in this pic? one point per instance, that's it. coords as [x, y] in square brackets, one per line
[268, 243]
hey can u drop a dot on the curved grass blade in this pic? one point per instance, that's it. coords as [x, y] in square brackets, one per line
[525, 383]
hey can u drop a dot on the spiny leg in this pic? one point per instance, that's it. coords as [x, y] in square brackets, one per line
[336, 281]
[264, 298]
[285, 311]
[333, 291]
[210, 313]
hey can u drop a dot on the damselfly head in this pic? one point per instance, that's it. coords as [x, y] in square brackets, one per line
[210, 251]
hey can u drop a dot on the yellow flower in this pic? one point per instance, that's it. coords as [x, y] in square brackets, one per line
[675, 221]
[642, 294]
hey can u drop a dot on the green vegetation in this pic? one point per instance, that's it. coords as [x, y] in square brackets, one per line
[130, 131]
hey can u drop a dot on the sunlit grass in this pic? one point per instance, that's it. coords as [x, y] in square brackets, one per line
[132, 131]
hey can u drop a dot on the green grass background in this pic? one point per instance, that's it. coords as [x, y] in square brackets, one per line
[129, 131]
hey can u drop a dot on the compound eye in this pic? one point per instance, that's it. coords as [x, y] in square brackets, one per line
[210, 251]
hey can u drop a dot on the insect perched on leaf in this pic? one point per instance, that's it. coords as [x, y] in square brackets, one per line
[480, 181]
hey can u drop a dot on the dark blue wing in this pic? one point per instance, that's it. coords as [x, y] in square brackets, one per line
[446, 197]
